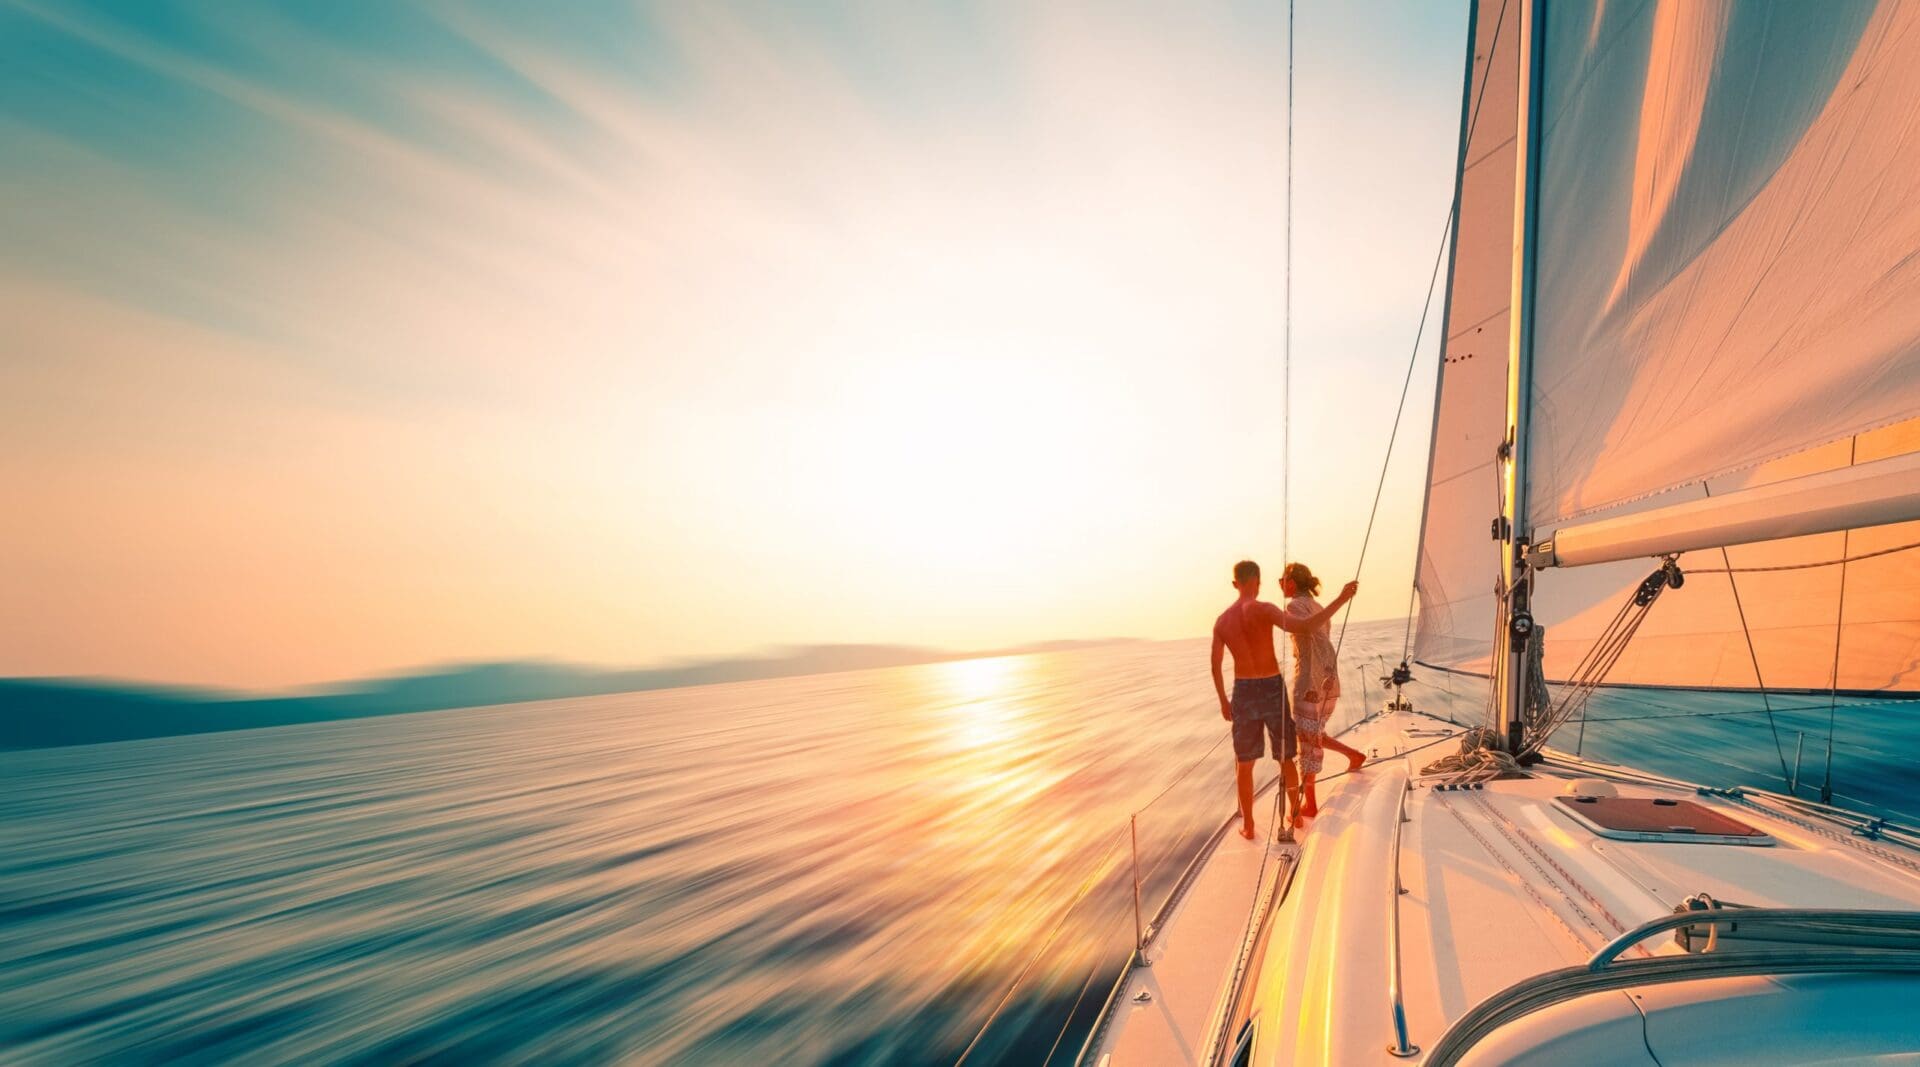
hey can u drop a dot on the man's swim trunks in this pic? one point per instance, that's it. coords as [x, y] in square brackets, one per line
[1260, 714]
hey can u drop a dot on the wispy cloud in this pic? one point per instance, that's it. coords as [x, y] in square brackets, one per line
[983, 294]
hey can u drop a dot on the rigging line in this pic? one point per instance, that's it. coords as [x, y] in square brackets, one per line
[1193, 821]
[1778, 749]
[1282, 804]
[1386, 463]
[1086, 886]
[1583, 689]
[1426, 308]
[1286, 324]
[1158, 797]
[1839, 627]
[1841, 562]
[1527, 884]
[1280, 801]
[1068, 1024]
[1473, 123]
[1580, 682]
[1672, 711]
[1599, 661]
[1413, 597]
[1725, 714]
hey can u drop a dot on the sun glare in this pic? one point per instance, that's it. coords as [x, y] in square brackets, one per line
[974, 680]
[982, 711]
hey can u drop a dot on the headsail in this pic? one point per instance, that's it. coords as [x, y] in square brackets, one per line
[1458, 561]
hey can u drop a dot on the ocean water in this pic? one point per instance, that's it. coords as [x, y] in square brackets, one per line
[851, 868]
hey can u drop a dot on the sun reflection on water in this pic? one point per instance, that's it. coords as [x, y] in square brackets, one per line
[878, 854]
[980, 679]
[981, 708]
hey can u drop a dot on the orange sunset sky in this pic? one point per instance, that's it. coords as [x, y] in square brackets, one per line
[348, 339]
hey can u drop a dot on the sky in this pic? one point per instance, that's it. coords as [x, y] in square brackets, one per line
[344, 338]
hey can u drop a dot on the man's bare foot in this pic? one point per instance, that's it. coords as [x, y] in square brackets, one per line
[1246, 829]
[1354, 760]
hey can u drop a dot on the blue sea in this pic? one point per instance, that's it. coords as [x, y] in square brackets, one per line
[858, 868]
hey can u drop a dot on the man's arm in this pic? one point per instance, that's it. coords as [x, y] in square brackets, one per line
[1301, 624]
[1219, 684]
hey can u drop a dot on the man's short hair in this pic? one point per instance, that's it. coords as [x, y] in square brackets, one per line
[1246, 571]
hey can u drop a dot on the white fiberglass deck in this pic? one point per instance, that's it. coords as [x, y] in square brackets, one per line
[1501, 885]
[1204, 939]
[1190, 974]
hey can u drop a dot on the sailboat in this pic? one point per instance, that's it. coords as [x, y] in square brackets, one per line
[1676, 444]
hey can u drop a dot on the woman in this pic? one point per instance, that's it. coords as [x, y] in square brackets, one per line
[1316, 683]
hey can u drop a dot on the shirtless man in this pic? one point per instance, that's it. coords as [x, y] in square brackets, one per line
[1258, 709]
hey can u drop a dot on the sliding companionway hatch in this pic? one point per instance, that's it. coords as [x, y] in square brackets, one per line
[1659, 819]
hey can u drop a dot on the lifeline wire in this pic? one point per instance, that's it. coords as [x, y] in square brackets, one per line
[1085, 887]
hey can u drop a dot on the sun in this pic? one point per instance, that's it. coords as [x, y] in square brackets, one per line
[975, 680]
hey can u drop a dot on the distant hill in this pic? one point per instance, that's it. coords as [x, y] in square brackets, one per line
[47, 712]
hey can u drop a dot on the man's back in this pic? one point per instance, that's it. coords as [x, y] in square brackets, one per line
[1246, 628]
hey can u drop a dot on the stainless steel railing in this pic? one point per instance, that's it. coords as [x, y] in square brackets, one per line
[1605, 971]
[1831, 928]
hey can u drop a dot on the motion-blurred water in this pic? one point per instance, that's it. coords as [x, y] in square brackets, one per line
[848, 868]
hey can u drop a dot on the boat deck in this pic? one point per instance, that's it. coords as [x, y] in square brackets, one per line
[1501, 883]
[1207, 939]
[1171, 1008]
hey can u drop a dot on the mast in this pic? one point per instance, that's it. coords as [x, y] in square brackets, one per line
[1514, 620]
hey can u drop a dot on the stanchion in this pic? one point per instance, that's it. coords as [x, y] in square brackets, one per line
[1139, 932]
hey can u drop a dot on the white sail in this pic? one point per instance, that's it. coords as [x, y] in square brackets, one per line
[1458, 559]
[1729, 216]
[1854, 627]
[1727, 303]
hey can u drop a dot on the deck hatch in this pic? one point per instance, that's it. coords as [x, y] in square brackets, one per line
[1660, 819]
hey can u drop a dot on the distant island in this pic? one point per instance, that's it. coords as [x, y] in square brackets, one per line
[49, 712]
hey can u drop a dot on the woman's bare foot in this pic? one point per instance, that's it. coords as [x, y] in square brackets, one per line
[1310, 809]
[1299, 819]
[1246, 829]
[1354, 760]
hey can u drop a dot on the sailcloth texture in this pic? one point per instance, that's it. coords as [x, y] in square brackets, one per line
[1727, 296]
[1729, 216]
[1458, 561]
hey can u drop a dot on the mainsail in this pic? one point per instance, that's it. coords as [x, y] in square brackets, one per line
[1726, 296]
